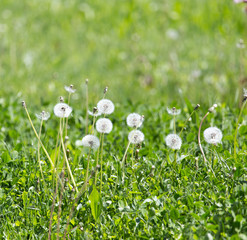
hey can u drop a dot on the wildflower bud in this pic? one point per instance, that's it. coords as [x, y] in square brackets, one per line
[153, 167]
[61, 99]
[95, 110]
[234, 169]
[86, 81]
[137, 154]
[66, 138]
[105, 90]
[197, 106]
[67, 153]
[71, 86]
[23, 104]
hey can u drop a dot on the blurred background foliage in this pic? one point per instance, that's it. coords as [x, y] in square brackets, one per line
[144, 50]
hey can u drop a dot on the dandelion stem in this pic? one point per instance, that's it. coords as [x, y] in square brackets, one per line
[66, 125]
[39, 156]
[67, 162]
[97, 161]
[86, 178]
[46, 153]
[101, 162]
[199, 138]
[86, 106]
[186, 123]
[52, 210]
[124, 156]
[236, 131]
[174, 124]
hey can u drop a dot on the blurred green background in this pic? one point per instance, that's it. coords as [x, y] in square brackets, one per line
[144, 50]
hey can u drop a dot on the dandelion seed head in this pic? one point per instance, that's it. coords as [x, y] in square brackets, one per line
[44, 116]
[62, 110]
[173, 111]
[134, 120]
[212, 135]
[90, 141]
[105, 106]
[94, 113]
[70, 89]
[104, 125]
[173, 141]
[136, 137]
[78, 143]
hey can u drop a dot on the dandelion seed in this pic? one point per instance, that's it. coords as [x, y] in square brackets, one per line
[62, 110]
[212, 108]
[173, 111]
[70, 89]
[105, 106]
[104, 125]
[173, 141]
[90, 141]
[134, 120]
[212, 135]
[136, 137]
[44, 116]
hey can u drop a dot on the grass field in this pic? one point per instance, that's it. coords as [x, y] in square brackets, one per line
[152, 55]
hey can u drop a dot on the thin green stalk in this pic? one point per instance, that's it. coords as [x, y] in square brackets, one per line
[236, 131]
[86, 178]
[86, 106]
[46, 153]
[132, 156]
[67, 162]
[174, 123]
[124, 156]
[101, 163]
[52, 210]
[66, 125]
[186, 122]
[97, 161]
[39, 156]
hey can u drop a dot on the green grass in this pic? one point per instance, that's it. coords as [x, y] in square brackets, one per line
[127, 46]
[174, 201]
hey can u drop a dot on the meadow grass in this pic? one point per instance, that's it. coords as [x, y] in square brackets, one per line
[152, 55]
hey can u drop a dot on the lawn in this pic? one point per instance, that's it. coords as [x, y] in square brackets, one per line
[152, 55]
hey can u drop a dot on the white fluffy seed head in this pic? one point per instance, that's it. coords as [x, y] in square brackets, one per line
[62, 110]
[105, 106]
[213, 135]
[44, 116]
[136, 137]
[90, 141]
[173, 141]
[134, 120]
[173, 111]
[70, 89]
[104, 125]
[78, 143]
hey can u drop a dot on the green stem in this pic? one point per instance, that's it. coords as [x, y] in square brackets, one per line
[66, 125]
[101, 163]
[174, 124]
[97, 161]
[186, 122]
[46, 153]
[86, 178]
[124, 156]
[39, 156]
[236, 131]
[86, 107]
[67, 162]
